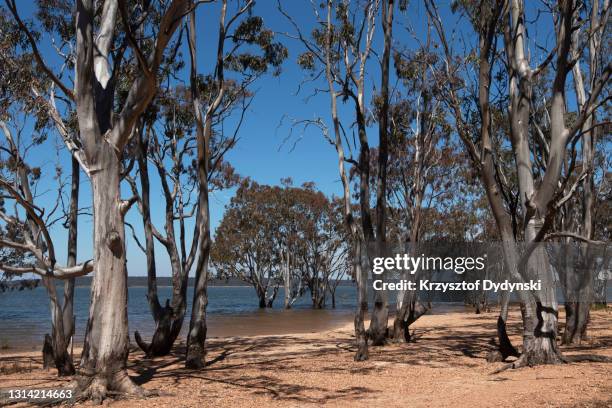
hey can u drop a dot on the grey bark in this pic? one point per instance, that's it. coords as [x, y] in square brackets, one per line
[68, 311]
[359, 273]
[169, 318]
[38, 242]
[196, 348]
[580, 288]
[482, 159]
[380, 313]
[103, 136]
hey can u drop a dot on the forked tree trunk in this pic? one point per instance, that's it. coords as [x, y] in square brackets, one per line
[482, 161]
[55, 346]
[540, 310]
[409, 312]
[577, 311]
[103, 136]
[360, 275]
[168, 319]
[64, 361]
[505, 348]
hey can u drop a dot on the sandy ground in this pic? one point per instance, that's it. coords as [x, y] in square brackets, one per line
[444, 367]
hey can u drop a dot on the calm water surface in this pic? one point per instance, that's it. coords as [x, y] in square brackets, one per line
[232, 311]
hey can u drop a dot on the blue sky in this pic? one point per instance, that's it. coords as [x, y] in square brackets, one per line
[258, 154]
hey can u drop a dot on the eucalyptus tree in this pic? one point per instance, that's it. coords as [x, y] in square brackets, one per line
[103, 43]
[579, 290]
[246, 242]
[422, 162]
[486, 22]
[248, 64]
[26, 232]
[338, 50]
[20, 105]
[380, 313]
[166, 142]
[321, 250]
[267, 230]
[539, 201]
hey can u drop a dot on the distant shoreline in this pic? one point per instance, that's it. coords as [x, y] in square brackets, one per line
[166, 281]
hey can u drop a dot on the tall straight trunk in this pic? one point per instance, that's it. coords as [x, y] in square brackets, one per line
[286, 263]
[103, 136]
[159, 344]
[408, 307]
[380, 312]
[106, 347]
[360, 274]
[68, 307]
[503, 220]
[196, 339]
[196, 348]
[363, 242]
[361, 277]
[68, 318]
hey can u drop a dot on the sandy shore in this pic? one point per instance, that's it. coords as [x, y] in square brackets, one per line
[444, 367]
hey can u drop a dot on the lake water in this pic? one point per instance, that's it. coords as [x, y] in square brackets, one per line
[232, 311]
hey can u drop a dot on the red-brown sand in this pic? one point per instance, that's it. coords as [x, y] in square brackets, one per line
[444, 367]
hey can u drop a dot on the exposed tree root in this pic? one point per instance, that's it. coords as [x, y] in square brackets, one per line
[145, 347]
[98, 388]
[526, 360]
[523, 362]
[361, 354]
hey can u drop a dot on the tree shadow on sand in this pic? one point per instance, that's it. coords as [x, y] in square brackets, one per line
[289, 368]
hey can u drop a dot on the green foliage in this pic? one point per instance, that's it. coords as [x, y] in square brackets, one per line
[57, 16]
[262, 222]
[306, 61]
[262, 51]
